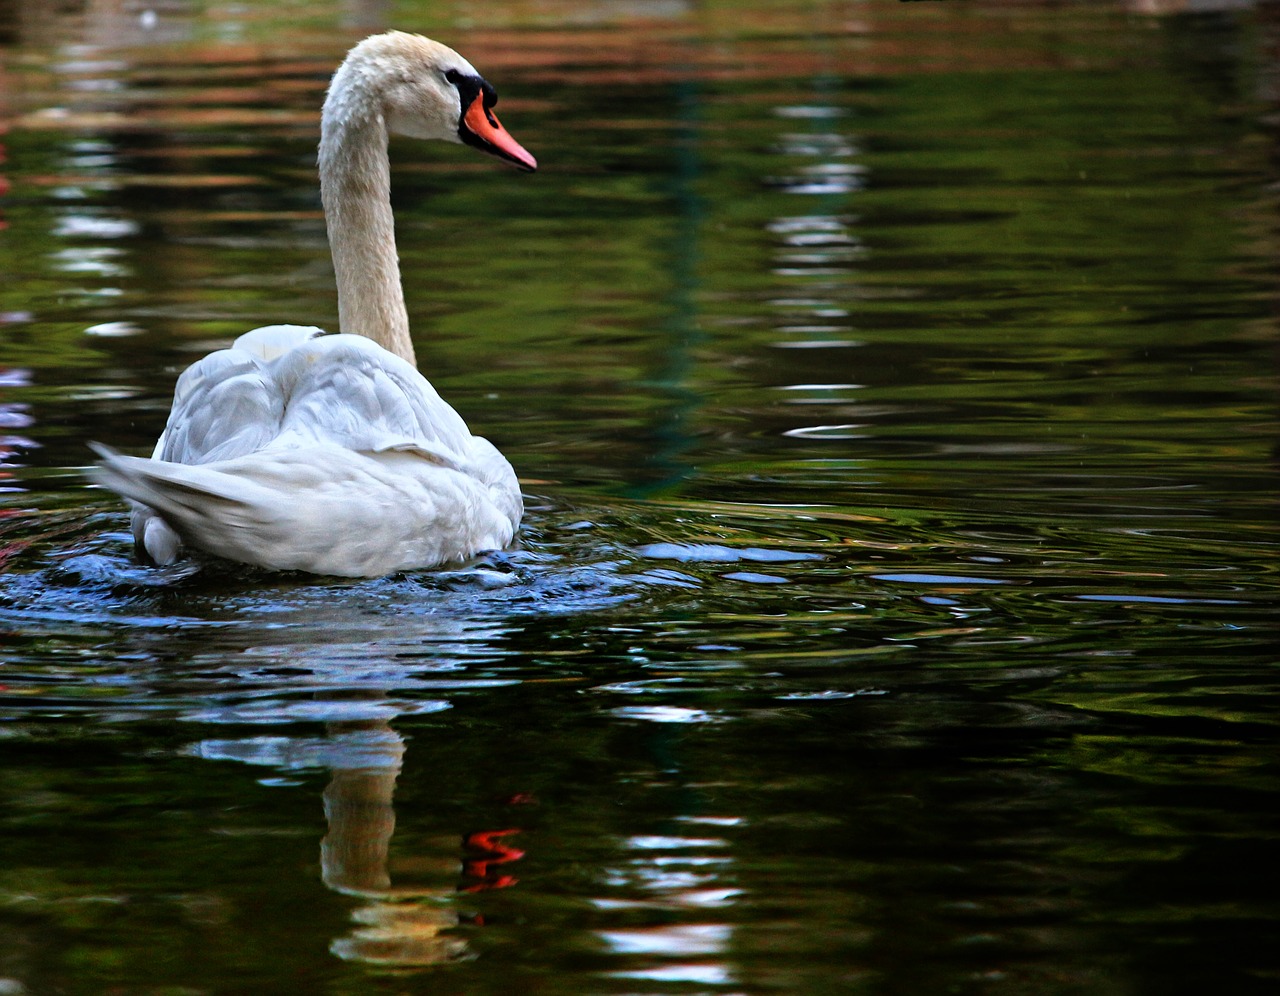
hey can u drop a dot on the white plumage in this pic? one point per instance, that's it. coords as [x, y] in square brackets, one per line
[296, 450]
[332, 456]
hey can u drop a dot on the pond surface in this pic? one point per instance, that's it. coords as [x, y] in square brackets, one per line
[893, 388]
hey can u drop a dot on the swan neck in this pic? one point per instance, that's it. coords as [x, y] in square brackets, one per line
[355, 188]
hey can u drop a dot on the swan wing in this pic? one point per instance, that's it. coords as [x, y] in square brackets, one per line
[229, 403]
[295, 381]
[345, 390]
[292, 382]
[348, 391]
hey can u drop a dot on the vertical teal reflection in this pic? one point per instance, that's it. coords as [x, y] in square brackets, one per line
[668, 467]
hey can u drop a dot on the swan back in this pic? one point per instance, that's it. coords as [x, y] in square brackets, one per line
[332, 456]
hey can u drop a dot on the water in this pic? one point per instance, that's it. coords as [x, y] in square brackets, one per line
[894, 392]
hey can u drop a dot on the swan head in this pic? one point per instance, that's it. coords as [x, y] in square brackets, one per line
[421, 89]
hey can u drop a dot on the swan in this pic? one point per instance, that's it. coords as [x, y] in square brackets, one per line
[298, 450]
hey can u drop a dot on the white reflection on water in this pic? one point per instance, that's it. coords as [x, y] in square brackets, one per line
[646, 842]
[820, 249]
[844, 431]
[97, 260]
[665, 714]
[671, 873]
[707, 938]
[82, 224]
[114, 330]
[825, 178]
[713, 553]
[713, 975]
[825, 239]
[805, 144]
[810, 111]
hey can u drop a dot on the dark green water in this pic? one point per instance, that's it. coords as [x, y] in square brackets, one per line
[894, 388]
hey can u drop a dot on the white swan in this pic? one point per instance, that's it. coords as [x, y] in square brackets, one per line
[296, 450]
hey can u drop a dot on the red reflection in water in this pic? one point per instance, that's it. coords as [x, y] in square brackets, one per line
[494, 852]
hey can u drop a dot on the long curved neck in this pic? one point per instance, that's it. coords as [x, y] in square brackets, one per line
[355, 188]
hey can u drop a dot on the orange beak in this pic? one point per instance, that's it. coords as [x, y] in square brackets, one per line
[481, 128]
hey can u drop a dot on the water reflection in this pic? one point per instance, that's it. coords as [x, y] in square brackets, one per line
[818, 251]
[665, 875]
[110, 24]
[13, 415]
[398, 924]
[405, 918]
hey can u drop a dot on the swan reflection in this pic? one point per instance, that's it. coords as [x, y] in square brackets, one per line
[399, 925]
[396, 924]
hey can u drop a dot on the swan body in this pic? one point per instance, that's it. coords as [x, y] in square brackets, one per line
[332, 454]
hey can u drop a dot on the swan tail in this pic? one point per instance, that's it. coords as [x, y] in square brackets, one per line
[321, 509]
[186, 501]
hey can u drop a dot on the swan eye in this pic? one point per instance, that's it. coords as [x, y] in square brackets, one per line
[469, 87]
